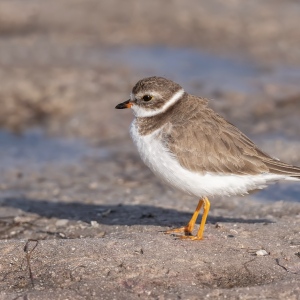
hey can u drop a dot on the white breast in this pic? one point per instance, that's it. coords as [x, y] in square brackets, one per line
[163, 164]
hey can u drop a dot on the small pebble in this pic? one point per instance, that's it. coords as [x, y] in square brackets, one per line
[56, 192]
[23, 219]
[261, 253]
[62, 222]
[139, 251]
[94, 224]
[101, 234]
[93, 185]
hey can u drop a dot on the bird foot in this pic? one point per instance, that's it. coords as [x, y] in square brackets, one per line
[184, 230]
[191, 238]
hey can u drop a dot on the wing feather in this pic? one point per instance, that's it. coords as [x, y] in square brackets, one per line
[203, 142]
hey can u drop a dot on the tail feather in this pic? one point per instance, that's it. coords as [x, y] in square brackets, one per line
[281, 168]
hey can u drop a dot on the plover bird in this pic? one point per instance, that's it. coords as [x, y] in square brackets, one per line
[194, 149]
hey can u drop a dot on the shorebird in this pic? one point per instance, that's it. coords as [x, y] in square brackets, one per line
[194, 149]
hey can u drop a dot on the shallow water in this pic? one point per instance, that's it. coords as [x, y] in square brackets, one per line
[282, 191]
[188, 66]
[34, 149]
[196, 68]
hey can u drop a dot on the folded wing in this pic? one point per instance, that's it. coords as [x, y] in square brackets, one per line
[214, 145]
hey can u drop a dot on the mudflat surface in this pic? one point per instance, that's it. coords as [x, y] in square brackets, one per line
[80, 216]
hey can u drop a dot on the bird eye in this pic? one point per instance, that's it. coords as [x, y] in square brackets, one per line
[147, 98]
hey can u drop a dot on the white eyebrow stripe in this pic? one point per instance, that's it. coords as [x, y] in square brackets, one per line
[141, 112]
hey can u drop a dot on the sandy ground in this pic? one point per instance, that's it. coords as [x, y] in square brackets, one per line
[80, 216]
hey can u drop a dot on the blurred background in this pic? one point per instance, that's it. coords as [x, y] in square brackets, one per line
[65, 64]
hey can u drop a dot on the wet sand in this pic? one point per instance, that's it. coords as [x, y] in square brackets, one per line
[72, 184]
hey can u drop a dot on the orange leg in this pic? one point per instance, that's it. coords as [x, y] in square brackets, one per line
[190, 226]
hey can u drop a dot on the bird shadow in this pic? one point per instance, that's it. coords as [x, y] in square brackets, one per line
[122, 214]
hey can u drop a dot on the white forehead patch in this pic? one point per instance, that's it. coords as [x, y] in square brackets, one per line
[141, 112]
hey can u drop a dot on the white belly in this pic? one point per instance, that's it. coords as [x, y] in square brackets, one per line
[163, 164]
